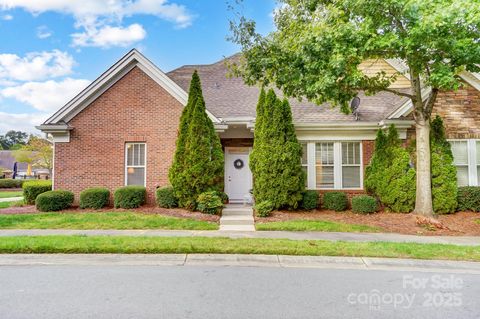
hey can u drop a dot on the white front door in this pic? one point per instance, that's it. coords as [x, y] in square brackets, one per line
[238, 177]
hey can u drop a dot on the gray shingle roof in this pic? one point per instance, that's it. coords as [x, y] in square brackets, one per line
[229, 97]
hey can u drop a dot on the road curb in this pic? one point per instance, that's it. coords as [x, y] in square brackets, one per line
[239, 260]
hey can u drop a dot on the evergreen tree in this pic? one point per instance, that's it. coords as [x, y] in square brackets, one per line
[257, 131]
[199, 161]
[444, 173]
[389, 175]
[277, 171]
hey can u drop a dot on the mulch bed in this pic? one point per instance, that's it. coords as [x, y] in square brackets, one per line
[176, 212]
[459, 224]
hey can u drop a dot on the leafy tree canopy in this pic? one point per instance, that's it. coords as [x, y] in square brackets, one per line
[12, 138]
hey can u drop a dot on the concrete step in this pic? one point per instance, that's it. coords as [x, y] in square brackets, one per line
[231, 212]
[237, 227]
[236, 220]
[237, 217]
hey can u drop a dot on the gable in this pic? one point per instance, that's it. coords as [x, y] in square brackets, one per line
[373, 66]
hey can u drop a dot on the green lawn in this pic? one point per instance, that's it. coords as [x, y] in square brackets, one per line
[10, 194]
[101, 221]
[151, 245]
[6, 204]
[316, 225]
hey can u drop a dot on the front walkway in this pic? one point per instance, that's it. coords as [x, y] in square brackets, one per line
[11, 199]
[351, 237]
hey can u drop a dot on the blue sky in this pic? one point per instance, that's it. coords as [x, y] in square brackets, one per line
[51, 49]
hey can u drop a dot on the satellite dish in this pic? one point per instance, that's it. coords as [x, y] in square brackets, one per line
[354, 105]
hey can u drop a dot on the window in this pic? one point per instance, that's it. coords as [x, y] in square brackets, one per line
[333, 165]
[305, 162]
[460, 159]
[135, 168]
[351, 165]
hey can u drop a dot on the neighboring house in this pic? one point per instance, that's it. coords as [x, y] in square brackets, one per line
[7, 161]
[121, 130]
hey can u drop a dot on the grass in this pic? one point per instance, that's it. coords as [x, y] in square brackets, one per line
[10, 204]
[110, 220]
[316, 225]
[10, 194]
[151, 245]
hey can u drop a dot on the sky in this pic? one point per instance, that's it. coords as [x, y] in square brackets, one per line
[51, 49]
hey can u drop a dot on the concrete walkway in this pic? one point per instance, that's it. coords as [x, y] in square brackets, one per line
[237, 218]
[366, 263]
[332, 236]
[11, 199]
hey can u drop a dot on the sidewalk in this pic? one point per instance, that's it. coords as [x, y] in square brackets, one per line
[238, 260]
[332, 236]
[11, 199]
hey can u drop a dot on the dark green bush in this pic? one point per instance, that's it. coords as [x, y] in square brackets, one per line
[95, 198]
[129, 197]
[31, 189]
[364, 204]
[223, 196]
[11, 183]
[469, 199]
[209, 203]
[52, 201]
[166, 197]
[263, 209]
[336, 201]
[310, 200]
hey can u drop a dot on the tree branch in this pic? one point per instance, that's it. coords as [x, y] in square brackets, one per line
[431, 102]
[410, 96]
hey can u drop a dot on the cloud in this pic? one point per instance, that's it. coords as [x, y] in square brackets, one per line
[46, 96]
[7, 17]
[43, 32]
[108, 36]
[21, 122]
[35, 65]
[104, 18]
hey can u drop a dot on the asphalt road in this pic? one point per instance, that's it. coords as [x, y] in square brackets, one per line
[113, 291]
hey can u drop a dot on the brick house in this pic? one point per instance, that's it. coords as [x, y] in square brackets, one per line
[121, 130]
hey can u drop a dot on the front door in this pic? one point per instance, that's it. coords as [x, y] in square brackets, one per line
[238, 177]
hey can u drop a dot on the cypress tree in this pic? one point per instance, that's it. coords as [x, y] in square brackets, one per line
[444, 173]
[199, 160]
[389, 175]
[257, 136]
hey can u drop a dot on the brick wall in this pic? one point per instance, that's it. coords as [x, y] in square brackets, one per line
[135, 109]
[460, 110]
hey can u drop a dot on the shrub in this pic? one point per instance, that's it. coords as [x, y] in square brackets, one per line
[223, 196]
[11, 183]
[209, 203]
[310, 200]
[31, 189]
[52, 201]
[469, 199]
[364, 204]
[166, 197]
[263, 209]
[336, 201]
[94, 198]
[129, 197]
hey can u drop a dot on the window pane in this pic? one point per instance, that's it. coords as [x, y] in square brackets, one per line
[324, 176]
[324, 153]
[129, 154]
[351, 153]
[478, 153]
[460, 153]
[304, 153]
[141, 160]
[305, 169]
[136, 176]
[351, 176]
[462, 175]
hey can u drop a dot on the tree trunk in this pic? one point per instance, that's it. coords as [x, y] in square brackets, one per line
[423, 201]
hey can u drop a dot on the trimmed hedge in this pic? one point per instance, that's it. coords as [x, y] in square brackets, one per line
[468, 199]
[336, 201]
[31, 189]
[310, 200]
[165, 197]
[209, 203]
[129, 197]
[11, 183]
[95, 198]
[364, 204]
[52, 201]
[263, 209]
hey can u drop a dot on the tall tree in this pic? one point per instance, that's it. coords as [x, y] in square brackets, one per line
[12, 138]
[38, 152]
[444, 172]
[318, 45]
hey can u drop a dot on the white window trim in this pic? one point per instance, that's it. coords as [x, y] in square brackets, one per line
[135, 166]
[471, 159]
[337, 165]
